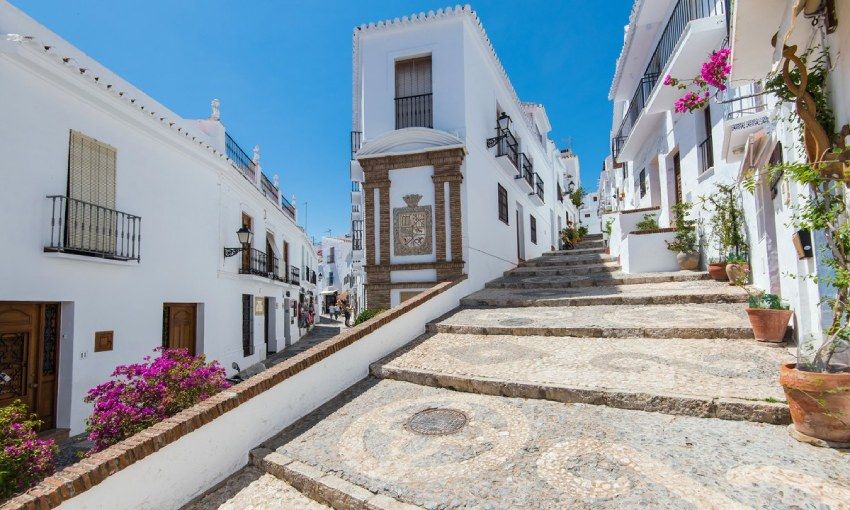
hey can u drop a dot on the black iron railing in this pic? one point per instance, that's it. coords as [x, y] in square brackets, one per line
[294, 275]
[260, 263]
[414, 111]
[509, 147]
[357, 235]
[356, 137]
[538, 187]
[683, 13]
[287, 206]
[742, 101]
[239, 157]
[268, 188]
[84, 228]
[526, 170]
[705, 153]
[355, 186]
[617, 144]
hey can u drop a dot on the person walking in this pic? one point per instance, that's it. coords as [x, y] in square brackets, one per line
[346, 311]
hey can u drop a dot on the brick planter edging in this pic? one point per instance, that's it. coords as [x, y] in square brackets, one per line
[653, 231]
[642, 209]
[85, 474]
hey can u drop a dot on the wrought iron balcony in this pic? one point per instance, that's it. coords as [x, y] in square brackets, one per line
[239, 157]
[356, 137]
[414, 111]
[355, 187]
[526, 170]
[743, 101]
[259, 263]
[509, 148]
[705, 153]
[294, 275]
[683, 13]
[268, 188]
[537, 192]
[84, 228]
[288, 208]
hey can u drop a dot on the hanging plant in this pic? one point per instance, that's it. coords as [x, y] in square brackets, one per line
[713, 74]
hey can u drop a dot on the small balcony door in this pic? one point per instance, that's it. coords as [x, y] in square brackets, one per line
[413, 98]
[179, 322]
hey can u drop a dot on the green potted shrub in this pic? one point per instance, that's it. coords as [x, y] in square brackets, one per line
[768, 316]
[607, 228]
[685, 242]
[647, 223]
[726, 229]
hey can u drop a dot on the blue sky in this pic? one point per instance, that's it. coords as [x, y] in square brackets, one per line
[283, 72]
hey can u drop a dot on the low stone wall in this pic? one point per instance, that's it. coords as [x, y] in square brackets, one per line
[646, 252]
[179, 458]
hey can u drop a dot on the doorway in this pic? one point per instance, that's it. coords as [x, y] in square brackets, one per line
[270, 325]
[677, 177]
[520, 234]
[179, 321]
[29, 352]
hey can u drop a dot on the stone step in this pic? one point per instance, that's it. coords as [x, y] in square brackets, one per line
[575, 260]
[593, 280]
[574, 251]
[252, 488]
[321, 487]
[604, 267]
[586, 243]
[439, 448]
[700, 291]
[602, 321]
[697, 377]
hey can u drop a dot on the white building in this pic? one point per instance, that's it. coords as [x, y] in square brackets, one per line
[660, 157]
[589, 213]
[436, 199]
[335, 280]
[120, 217]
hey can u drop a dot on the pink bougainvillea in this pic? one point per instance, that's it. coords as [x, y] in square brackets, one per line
[24, 459]
[142, 394]
[713, 73]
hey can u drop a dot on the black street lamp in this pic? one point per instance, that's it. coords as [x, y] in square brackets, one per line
[245, 236]
[503, 125]
[571, 187]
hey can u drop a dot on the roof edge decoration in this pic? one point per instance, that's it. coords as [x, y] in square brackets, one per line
[627, 44]
[407, 141]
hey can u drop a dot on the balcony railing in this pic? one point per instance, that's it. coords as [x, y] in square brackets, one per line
[617, 144]
[526, 170]
[356, 137]
[538, 187]
[239, 157]
[705, 153]
[288, 208]
[83, 228]
[268, 188]
[509, 147]
[414, 111]
[743, 101]
[684, 12]
[295, 275]
[260, 263]
[355, 186]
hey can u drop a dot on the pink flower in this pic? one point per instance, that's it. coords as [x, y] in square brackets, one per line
[668, 80]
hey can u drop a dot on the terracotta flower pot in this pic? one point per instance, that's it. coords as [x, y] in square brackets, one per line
[736, 271]
[717, 271]
[819, 402]
[687, 261]
[769, 325]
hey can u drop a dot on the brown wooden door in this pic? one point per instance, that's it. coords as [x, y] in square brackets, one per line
[29, 346]
[677, 177]
[179, 328]
[246, 253]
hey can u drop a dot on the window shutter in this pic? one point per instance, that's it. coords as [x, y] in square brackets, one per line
[413, 77]
[92, 182]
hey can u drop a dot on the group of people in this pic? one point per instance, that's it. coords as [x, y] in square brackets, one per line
[343, 308]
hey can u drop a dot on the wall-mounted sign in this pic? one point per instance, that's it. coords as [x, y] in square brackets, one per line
[259, 306]
[103, 341]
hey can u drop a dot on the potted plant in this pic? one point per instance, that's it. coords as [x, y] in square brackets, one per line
[607, 228]
[717, 269]
[817, 387]
[737, 268]
[768, 316]
[726, 230]
[685, 242]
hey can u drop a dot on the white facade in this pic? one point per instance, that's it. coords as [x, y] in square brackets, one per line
[177, 175]
[589, 213]
[466, 91]
[335, 269]
[660, 157]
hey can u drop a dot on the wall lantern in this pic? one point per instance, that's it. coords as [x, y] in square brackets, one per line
[245, 236]
[571, 187]
[503, 125]
[802, 240]
[320, 277]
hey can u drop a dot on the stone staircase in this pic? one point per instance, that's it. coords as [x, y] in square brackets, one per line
[564, 383]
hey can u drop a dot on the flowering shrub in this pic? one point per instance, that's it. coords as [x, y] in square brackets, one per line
[713, 73]
[25, 459]
[142, 394]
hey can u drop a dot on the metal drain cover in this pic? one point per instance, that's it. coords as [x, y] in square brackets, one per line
[437, 421]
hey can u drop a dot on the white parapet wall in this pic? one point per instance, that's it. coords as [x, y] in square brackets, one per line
[624, 223]
[648, 253]
[193, 463]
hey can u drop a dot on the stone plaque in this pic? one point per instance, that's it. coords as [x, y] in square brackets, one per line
[412, 228]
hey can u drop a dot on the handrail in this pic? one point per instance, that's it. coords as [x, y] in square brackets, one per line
[85, 228]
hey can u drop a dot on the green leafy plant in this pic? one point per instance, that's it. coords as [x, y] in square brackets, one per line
[577, 196]
[367, 314]
[686, 230]
[607, 227]
[766, 301]
[24, 458]
[572, 235]
[727, 220]
[647, 223]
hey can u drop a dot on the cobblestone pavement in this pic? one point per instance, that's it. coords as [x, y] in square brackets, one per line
[592, 280]
[708, 369]
[252, 489]
[525, 453]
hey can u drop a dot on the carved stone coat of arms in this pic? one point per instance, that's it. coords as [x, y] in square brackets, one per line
[412, 227]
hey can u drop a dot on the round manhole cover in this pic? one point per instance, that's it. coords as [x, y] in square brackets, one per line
[517, 321]
[436, 422]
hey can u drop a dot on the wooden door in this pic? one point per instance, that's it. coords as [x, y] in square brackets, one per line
[179, 327]
[267, 307]
[677, 177]
[29, 347]
[519, 236]
[246, 252]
